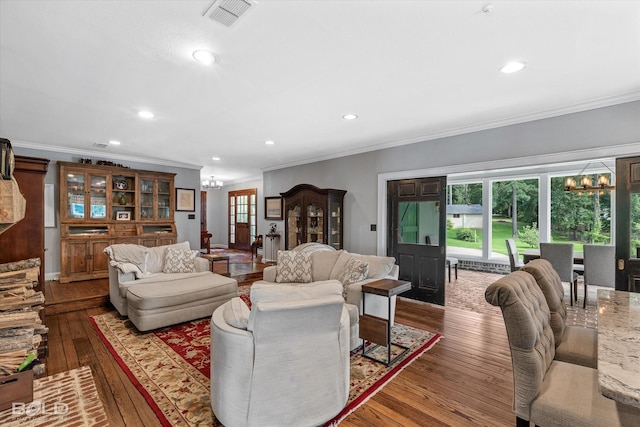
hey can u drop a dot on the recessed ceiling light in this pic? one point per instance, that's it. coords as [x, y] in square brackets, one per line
[145, 114]
[114, 142]
[350, 116]
[269, 142]
[215, 158]
[205, 57]
[513, 67]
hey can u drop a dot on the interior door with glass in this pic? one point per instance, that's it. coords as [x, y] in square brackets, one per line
[628, 224]
[242, 219]
[417, 235]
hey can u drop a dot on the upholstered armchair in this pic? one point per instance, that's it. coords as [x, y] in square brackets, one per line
[282, 362]
[548, 392]
[574, 344]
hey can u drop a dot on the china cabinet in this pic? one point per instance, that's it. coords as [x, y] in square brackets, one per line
[101, 205]
[313, 214]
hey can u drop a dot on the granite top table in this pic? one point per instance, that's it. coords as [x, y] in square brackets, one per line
[619, 345]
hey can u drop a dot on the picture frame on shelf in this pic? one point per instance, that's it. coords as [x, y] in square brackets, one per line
[123, 216]
[185, 199]
[273, 208]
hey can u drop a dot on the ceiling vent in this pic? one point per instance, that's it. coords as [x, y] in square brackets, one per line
[227, 12]
[100, 145]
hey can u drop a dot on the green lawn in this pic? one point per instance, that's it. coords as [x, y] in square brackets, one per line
[501, 232]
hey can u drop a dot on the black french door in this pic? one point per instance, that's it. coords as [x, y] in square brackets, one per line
[416, 235]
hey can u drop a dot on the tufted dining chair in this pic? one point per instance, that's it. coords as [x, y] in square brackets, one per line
[514, 258]
[574, 344]
[599, 267]
[560, 255]
[548, 392]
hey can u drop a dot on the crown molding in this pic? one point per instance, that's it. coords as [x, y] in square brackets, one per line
[103, 155]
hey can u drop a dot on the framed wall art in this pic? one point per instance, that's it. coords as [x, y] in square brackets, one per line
[185, 199]
[123, 216]
[273, 208]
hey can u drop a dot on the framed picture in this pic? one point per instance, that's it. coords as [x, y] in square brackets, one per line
[273, 208]
[185, 199]
[123, 216]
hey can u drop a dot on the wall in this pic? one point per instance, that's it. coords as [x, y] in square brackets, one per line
[188, 229]
[602, 132]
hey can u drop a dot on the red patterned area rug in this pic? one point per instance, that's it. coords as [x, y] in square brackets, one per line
[170, 366]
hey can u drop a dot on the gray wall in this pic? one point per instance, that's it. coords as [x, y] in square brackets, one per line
[188, 229]
[597, 133]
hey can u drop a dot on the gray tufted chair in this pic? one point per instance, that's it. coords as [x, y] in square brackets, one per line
[574, 344]
[546, 391]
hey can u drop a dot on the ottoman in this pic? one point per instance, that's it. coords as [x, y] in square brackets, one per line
[155, 305]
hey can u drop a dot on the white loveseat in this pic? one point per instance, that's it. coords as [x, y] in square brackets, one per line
[154, 291]
[328, 264]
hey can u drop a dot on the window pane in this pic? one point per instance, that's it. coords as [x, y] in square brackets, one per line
[464, 219]
[514, 215]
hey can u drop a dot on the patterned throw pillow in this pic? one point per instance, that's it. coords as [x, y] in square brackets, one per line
[179, 261]
[293, 267]
[354, 271]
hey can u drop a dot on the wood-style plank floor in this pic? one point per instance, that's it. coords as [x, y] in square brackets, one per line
[464, 380]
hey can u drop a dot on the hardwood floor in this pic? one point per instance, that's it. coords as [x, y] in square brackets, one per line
[464, 380]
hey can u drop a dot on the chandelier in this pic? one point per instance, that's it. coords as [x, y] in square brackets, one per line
[586, 184]
[212, 184]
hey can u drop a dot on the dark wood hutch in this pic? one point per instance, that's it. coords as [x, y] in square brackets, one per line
[313, 214]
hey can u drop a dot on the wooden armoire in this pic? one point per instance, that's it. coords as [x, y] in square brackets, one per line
[25, 239]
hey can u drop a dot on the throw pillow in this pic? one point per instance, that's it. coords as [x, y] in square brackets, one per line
[236, 313]
[179, 261]
[155, 261]
[293, 267]
[354, 271]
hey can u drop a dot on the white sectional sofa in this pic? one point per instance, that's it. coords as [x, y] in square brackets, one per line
[328, 264]
[164, 285]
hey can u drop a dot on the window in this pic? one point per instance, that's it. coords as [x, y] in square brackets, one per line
[464, 219]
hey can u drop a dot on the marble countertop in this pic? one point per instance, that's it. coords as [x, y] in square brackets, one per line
[619, 345]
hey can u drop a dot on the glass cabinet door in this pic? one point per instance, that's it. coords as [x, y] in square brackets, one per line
[146, 198]
[334, 237]
[294, 227]
[75, 196]
[98, 197]
[164, 199]
[315, 223]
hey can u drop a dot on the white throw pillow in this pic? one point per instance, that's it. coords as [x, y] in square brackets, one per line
[355, 271]
[179, 261]
[293, 267]
[155, 260]
[379, 266]
[236, 313]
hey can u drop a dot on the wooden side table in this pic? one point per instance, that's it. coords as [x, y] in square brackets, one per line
[213, 258]
[376, 329]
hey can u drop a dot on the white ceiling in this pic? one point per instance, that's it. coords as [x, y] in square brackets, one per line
[73, 73]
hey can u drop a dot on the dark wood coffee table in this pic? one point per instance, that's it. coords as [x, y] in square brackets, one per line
[376, 329]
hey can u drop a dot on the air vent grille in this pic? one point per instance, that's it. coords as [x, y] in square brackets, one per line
[100, 145]
[227, 12]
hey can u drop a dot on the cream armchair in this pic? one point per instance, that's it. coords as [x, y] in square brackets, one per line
[290, 366]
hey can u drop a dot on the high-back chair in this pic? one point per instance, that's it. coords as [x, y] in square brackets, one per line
[546, 391]
[282, 363]
[514, 258]
[574, 344]
[560, 255]
[599, 267]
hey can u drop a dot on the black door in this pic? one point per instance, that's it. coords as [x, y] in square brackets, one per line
[628, 224]
[417, 235]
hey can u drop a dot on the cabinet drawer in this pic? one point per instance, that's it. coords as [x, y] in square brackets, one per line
[121, 230]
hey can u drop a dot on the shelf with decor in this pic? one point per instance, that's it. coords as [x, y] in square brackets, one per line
[313, 214]
[106, 204]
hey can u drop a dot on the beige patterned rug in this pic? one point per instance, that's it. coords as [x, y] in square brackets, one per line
[467, 293]
[171, 366]
[66, 399]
